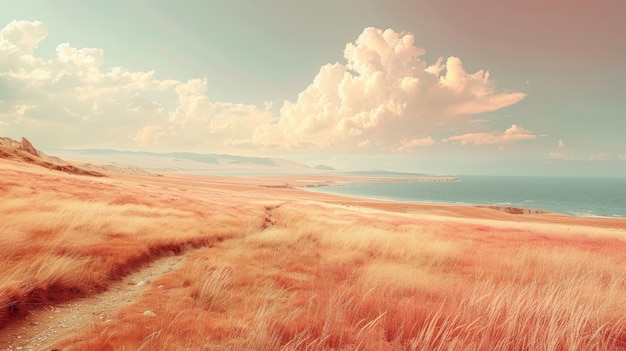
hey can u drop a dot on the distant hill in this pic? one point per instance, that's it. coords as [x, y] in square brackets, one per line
[203, 158]
[383, 173]
[188, 161]
[324, 168]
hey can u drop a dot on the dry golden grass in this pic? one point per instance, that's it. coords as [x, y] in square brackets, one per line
[64, 236]
[288, 270]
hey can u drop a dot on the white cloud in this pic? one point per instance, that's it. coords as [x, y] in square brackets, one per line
[513, 134]
[150, 135]
[22, 36]
[415, 143]
[21, 109]
[70, 96]
[193, 104]
[384, 97]
[383, 94]
[86, 58]
[561, 152]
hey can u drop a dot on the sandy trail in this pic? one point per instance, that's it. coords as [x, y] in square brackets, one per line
[44, 327]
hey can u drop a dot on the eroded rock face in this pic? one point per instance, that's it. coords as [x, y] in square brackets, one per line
[5, 141]
[26, 145]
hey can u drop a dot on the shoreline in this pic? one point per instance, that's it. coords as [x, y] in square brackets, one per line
[308, 185]
[507, 207]
[313, 183]
[293, 189]
[515, 210]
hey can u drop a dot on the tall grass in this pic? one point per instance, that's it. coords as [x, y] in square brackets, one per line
[283, 274]
[555, 316]
[410, 294]
[66, 236]
[208, 285]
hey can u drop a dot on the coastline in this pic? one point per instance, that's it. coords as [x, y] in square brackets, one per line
[526, 195]
[305, 188]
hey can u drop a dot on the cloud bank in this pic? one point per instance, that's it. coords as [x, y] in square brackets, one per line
[384, 94]
[510, 135]
[383, 98]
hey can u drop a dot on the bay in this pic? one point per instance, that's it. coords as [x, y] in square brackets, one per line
[596, 197]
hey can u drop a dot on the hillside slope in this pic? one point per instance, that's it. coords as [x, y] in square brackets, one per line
[24, 152]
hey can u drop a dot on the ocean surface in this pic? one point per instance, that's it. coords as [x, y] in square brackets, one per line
[591, 197]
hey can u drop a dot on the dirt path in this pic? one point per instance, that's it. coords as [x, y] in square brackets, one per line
[46, 326]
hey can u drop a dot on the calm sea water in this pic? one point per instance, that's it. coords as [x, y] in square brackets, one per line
[602, 197]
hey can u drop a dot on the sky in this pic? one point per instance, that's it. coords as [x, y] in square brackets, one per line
[448, 87]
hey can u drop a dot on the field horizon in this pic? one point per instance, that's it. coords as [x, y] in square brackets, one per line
[113, 261]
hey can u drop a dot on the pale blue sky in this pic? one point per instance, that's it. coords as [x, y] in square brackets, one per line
[553, 103]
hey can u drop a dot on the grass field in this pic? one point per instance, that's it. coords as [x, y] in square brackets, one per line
[284, 269]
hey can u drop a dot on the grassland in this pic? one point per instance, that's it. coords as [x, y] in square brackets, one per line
[276, 268]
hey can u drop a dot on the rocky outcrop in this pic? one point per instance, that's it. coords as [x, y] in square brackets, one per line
[28, 147]
[8, 142]
[25, 152]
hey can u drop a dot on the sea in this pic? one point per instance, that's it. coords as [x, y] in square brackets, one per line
[588, 197]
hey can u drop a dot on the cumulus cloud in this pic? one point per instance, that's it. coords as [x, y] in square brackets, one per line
[415, 143]
[22, 36]
[193, 104]
[71, 96]
[384, 97]
[510, 135]
[383, 94]
[561, 152]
